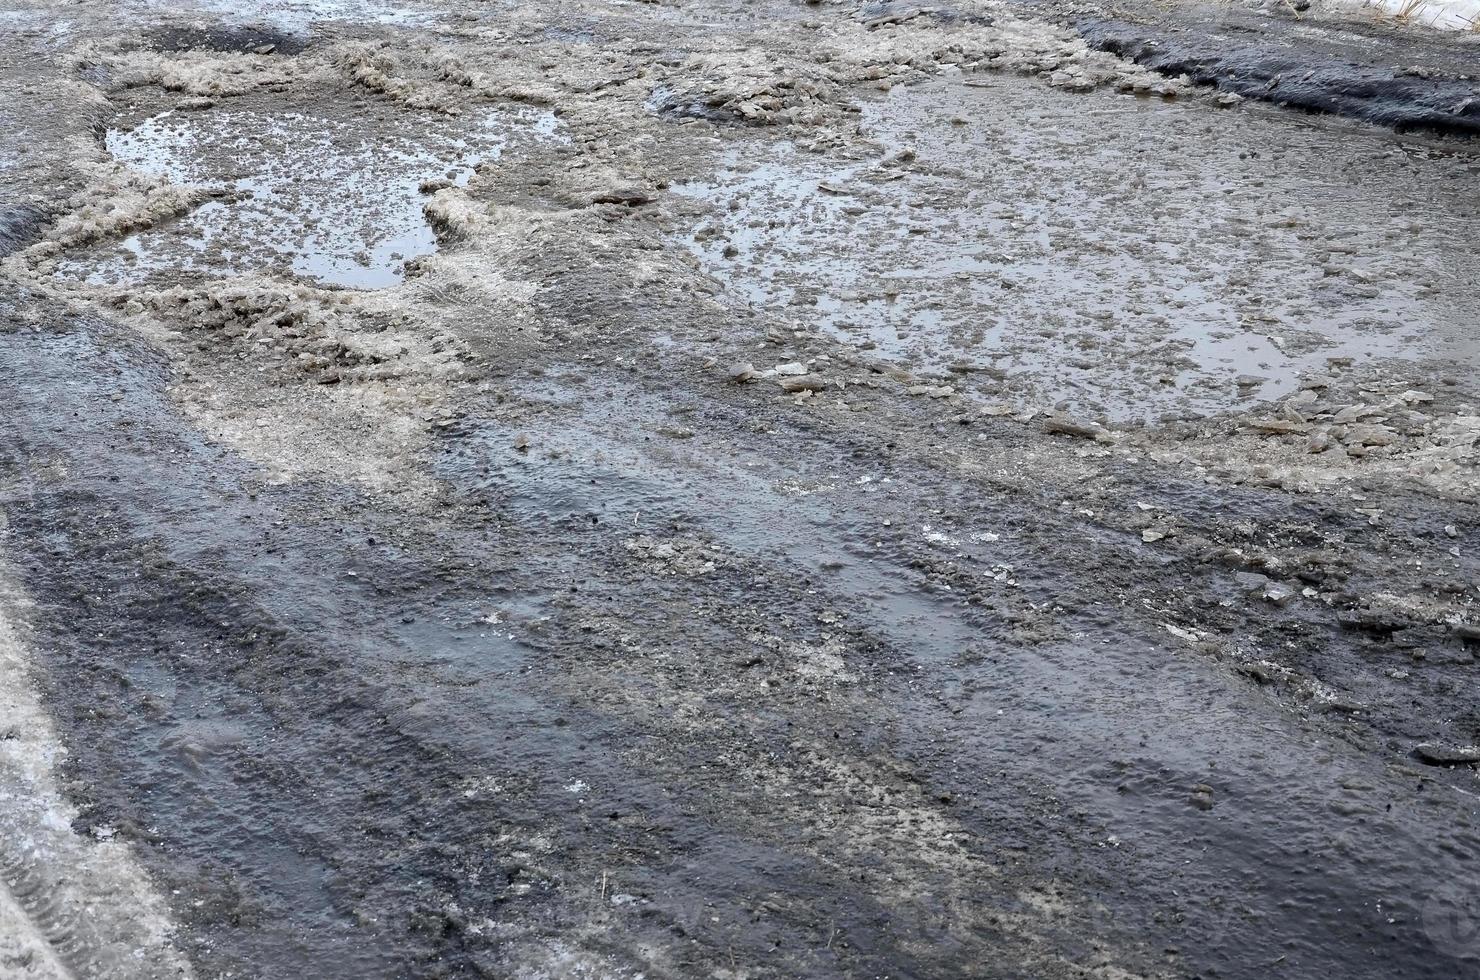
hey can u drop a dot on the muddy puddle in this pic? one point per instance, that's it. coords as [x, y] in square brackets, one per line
[1131, 258]
[333, 199]
[300, 16]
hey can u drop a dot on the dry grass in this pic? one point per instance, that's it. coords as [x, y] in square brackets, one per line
[1423, 13]
[1405, 13]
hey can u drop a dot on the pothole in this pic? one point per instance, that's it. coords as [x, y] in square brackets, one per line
[336, 199]
[300, 16]
[1100, 250]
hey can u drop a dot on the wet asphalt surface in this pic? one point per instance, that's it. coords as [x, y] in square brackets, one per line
[293, 706]
[692, 683]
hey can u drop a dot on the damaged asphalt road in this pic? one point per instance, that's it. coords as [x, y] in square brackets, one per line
[671, 490]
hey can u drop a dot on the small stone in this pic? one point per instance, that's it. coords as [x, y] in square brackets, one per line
[1251, 581]
[1319, 442]
[622, 194]
[1371, 435]
[934, 391]
[1443, 753]
[1063, 425]
[1277, 426]
[807, 382]
[1278, 593]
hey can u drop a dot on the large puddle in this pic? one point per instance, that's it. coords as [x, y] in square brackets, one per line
[337, 200]
[1131, 258]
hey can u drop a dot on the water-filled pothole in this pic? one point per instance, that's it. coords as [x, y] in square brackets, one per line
[1130, 258]
[334, 199]
[300, 16]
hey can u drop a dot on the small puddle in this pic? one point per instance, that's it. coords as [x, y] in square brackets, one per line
[333, 199]
[1132, 258]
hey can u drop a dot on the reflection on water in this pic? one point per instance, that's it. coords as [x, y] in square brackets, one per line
[336, 200]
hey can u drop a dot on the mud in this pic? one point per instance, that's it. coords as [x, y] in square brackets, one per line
[785, 490]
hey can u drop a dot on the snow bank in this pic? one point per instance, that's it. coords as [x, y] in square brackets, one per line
[1444, 15]
[69, 905]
